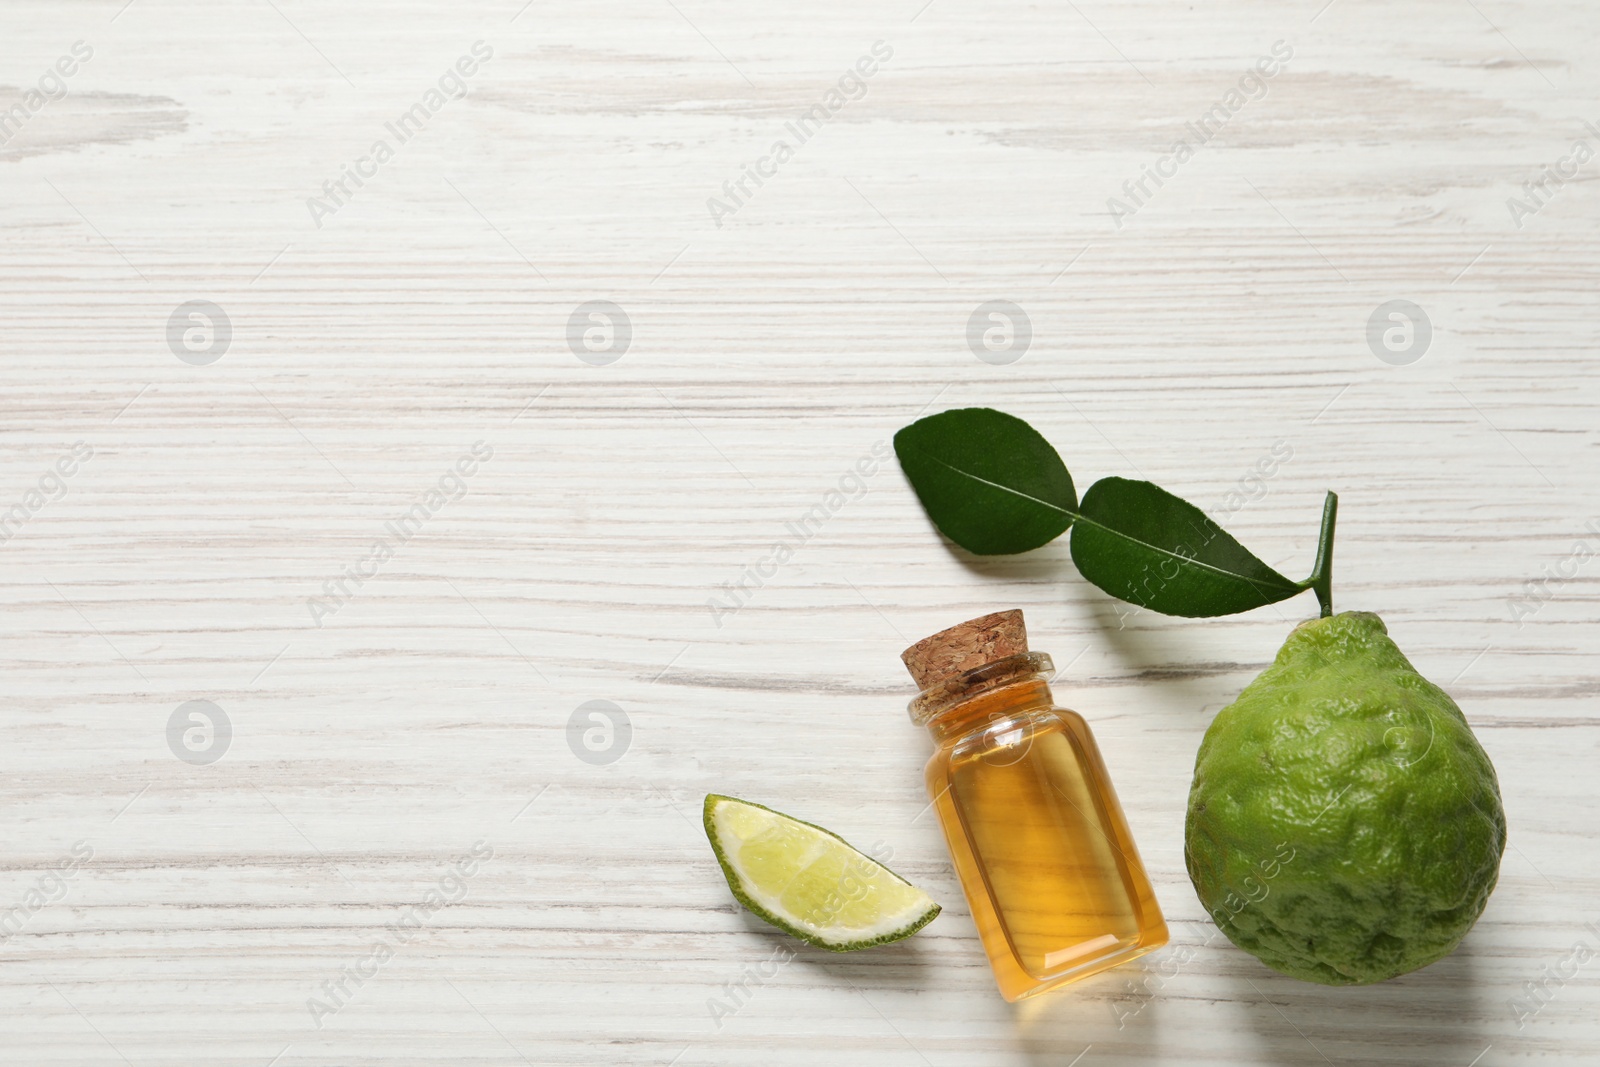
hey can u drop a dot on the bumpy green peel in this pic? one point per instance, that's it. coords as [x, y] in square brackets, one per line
[1344, 825]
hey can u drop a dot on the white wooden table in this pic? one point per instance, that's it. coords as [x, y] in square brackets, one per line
[378, 737]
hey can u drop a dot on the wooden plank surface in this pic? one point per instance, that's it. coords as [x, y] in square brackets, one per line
[379, 738]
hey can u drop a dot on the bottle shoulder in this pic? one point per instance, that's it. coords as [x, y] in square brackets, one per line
[1010, 727]
[1040, 716]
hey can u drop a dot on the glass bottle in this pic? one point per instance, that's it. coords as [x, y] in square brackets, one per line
[1043, 851]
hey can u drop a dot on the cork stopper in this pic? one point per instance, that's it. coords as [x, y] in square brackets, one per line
[951, 653]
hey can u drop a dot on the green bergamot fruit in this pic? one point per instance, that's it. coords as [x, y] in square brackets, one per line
[1344, 825]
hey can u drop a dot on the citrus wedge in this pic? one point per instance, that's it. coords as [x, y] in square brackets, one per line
[808, 882]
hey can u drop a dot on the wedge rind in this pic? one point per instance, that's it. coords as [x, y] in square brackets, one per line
[808, 881]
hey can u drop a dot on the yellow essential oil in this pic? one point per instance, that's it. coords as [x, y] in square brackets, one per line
[1048, 867]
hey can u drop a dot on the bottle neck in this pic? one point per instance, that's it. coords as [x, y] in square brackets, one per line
[953, 706]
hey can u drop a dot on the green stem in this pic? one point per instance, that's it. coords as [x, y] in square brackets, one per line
[1321, 580]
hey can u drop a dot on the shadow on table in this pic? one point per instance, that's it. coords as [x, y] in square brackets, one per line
[1050, 562]
[898, 967]
[901, 965]
[1437, 1017]
[1146, 640]
[1103, 1015]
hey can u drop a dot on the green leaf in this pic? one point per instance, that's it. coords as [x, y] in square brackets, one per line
[994, 486]
[988, 480]
[1140, 543]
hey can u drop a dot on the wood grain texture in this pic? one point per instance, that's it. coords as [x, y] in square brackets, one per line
[768, 355]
